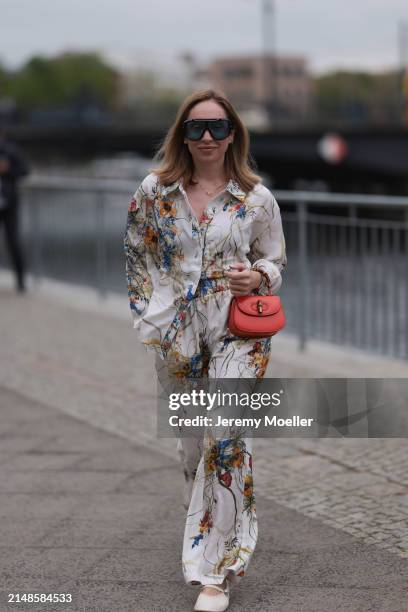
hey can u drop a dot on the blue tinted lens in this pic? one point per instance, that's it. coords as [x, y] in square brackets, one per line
[194, 130]
[219, 129]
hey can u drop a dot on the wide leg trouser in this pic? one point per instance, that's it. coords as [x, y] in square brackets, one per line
[221, 524]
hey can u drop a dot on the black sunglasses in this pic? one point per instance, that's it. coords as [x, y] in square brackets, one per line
[219, 129]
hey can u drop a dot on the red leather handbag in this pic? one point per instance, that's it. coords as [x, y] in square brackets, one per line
[256, 316]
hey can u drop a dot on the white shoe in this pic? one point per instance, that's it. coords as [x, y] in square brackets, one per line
[213, 603]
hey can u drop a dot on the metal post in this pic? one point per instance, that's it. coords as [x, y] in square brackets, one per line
[403, 70]
[303, 301]
[269, 63]
[101, 244]
[354, 303]
[405, 328]
[36, 234]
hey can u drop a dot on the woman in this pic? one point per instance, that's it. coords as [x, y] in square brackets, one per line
[13, 167]
[202, 228]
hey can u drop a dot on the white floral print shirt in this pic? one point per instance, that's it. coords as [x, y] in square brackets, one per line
[168, 250]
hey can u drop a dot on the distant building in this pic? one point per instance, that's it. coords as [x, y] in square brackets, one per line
[280, 85]
[146, 74]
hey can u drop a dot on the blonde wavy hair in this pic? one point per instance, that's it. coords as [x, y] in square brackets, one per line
[175, 158]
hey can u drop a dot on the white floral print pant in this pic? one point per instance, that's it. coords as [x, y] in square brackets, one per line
[221, 524]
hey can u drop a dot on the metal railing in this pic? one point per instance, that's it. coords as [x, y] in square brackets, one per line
[351, 282]
[346, 281]
[75, 229]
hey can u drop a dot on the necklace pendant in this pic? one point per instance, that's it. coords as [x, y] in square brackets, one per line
[209, 193]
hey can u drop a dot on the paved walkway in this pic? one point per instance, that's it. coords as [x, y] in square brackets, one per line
[89, 513]
[79, 447]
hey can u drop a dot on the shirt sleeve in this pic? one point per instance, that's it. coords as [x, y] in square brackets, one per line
[267, 251]
[139, 282]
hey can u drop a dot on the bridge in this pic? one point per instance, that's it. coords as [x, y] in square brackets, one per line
[375, 160]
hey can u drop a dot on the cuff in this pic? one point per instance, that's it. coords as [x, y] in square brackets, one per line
[271, 278]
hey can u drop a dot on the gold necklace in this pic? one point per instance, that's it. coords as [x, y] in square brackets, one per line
[210, 193]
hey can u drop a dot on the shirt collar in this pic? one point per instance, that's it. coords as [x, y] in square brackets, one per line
[233, 188]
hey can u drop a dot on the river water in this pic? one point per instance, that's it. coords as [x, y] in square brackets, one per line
[359, 300]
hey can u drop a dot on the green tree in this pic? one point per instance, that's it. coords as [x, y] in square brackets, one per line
[71, 78]
[340, 94]
[357, 97]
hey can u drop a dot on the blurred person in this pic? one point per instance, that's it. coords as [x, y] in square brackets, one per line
[13, 166]
[201, 228]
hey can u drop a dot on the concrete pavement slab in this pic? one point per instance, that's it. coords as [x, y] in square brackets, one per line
[64, 355]
[118, 546]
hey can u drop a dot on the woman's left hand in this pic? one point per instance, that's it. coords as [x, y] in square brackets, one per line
[243, 280]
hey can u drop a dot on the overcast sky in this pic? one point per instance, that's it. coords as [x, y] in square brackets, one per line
[328, 32]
